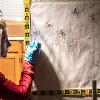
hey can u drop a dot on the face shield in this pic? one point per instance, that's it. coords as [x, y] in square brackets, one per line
[4, 42]
[0, 40]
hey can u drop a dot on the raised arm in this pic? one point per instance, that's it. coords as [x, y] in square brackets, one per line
[8, 89]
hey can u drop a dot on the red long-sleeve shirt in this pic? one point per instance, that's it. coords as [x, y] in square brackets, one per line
[10, 91]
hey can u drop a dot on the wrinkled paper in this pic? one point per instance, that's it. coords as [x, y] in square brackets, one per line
[69, 33]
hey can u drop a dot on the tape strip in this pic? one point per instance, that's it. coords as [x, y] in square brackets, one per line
[66, 93]
[26, 22]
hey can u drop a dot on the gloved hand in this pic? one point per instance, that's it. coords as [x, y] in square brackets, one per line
[32, 52]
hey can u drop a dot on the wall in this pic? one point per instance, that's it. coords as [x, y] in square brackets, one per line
[15, 28]
[12, 9]
[70, 35]
[13, 13]
[60, 0]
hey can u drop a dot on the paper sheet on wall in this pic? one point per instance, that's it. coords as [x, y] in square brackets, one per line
[70, 35]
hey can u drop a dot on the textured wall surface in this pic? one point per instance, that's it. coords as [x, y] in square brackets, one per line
[60, 0]
[70, 35]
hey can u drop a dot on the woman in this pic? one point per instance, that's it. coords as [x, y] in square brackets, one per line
[8, 89]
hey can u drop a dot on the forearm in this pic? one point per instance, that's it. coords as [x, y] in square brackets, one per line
[22, 90]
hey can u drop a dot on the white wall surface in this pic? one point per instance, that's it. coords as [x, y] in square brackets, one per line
[60, 0]
[12, 9]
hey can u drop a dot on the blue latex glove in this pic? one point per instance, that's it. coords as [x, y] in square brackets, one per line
[32, 52]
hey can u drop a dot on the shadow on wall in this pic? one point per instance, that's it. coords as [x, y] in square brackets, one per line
[46, 78]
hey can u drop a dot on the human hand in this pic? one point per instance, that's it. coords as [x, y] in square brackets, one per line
[32, 52]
